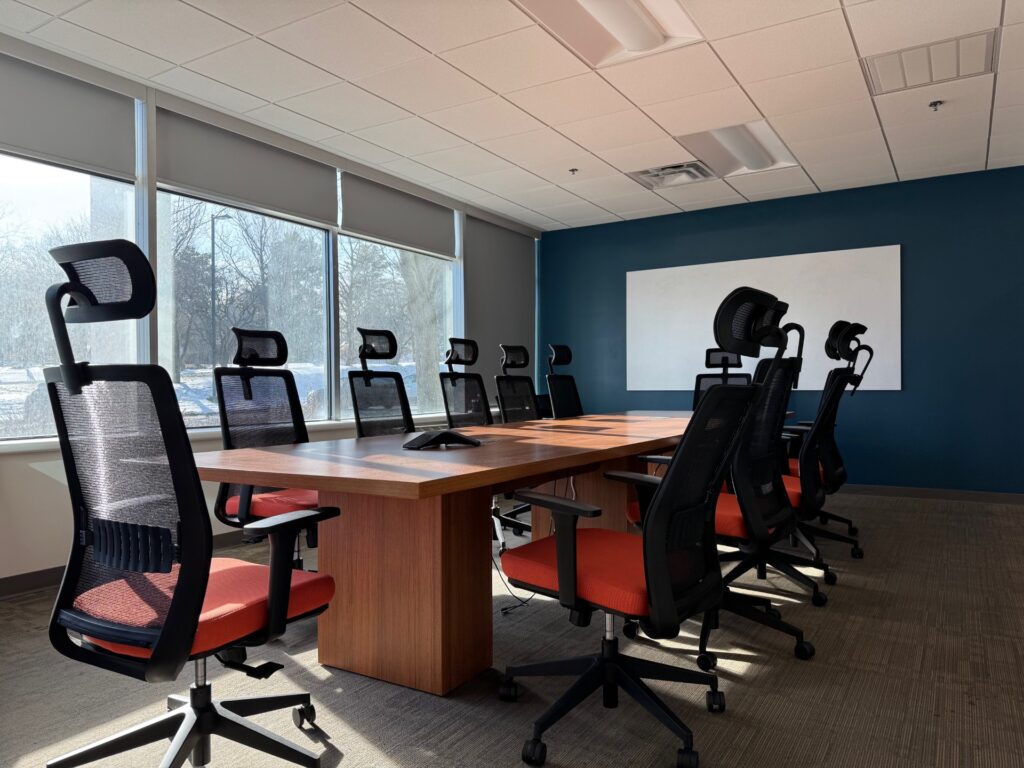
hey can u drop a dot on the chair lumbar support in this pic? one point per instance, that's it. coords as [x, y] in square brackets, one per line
[609, 671]
[190, 722]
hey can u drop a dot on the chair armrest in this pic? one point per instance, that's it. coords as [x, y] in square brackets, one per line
[656, 459]
[644, 485]
[282, 531]
[807, 424]
[566, 514]
[797, 429]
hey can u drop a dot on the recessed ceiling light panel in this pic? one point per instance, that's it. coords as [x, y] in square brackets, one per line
[738, 149]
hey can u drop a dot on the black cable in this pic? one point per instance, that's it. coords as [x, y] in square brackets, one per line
[509, 608]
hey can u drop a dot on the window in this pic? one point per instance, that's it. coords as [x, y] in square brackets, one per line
[409, 293]
[43, 206]
[221, 267]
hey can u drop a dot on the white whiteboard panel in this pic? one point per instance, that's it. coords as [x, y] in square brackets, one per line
[670, 313]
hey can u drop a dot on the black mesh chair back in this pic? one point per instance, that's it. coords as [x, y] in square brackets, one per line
[517, 398]
[259, 408]
[680, 552]
[565, 397]
[718, 358]
[465, 397]
[140, 556]
[379, 400]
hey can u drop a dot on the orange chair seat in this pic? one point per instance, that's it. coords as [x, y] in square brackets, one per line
[794, 469]
[609, 569]
[235, 605]
[792, 489]
[275, 502]
[729, 517]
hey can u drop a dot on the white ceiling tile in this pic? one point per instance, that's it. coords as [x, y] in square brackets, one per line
[54, 7]
[1008, 121]
[542, 198]
[774, 194]
[961, 99]
[542, 222]
[665, 209]
[811, 43]
[937, 131]
[851, 117]
[574, 98]
[1010, 88]
[262, 70]
[424, 85]
[843, 145]
[836, 84]
[704, 112]
[574, 210]
[738, 199]
[915, 160]
[516, 60]
[1011, 48]
[462, 161]
[852, 182]
[618, 129]
[721, 19]
[168, 29]
[1013, 13]
[357, 149]
[196, 86]
[890, 25]
[763, 182]
[292, 122]
[414, 171]
[649, 154]
[685, 195]
[635, 202]
[673, 74]
[507, 180]
[542, 145]
[21, 18]
[510, 209]
[101, 49]
[604, 188]
[604, 217]
[1005, 151]
[832, 169]
[259, 16]
[941, 170]
[345, 106]
[346, 41]
[459, 189]
[410, 137]
[479, 121]
[567, 169]
[440, 25]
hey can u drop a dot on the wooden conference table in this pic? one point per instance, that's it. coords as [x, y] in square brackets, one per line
[411, 552]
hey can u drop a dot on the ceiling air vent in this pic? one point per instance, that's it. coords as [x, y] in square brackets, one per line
[672, 175]
[934, 63]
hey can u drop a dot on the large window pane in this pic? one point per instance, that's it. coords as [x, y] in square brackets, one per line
[43, 206]
[408, 293]
[221, 267]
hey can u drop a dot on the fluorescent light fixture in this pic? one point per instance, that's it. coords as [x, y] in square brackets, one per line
[605, 32]
[739, 149]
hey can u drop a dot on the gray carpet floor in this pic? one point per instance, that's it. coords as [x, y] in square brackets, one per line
[920, 662]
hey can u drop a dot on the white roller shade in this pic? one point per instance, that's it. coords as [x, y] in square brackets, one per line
[499, 275]
[202, 158]
[53, 117]
[383, 213]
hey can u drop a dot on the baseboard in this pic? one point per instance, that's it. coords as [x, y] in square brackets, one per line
[942, 494]
[50, 577]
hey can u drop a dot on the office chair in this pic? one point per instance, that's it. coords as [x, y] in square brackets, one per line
[142, 594]
[658, 579]
[259, 407]
[379, 401]
[517, 399]
[565, 398]
[466, 405]
[718, 358]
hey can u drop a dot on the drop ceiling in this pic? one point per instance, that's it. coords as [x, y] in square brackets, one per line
[479, 101]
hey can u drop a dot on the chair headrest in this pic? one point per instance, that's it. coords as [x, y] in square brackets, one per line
[116, 276]
[748, 319]
[260, 347]
[514, 356]
[377, 344]
[719, 358]
[847, 342]
[461, 352]
[832, 342]
[561, 354]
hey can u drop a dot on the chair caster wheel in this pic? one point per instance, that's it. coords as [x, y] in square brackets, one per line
[535, 752]
[830, 578]
[302, 714]
[630, 629]
[707, 661]
[819, 599]
[517, 530]
[857, 553]
[715, 701]
[773, 612]
[508, 690]
[687, 758]
[853, 530]
[803, 650]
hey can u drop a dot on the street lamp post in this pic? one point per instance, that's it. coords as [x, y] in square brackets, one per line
[213, 284]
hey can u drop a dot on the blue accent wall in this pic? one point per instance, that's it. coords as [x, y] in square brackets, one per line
[957, 423]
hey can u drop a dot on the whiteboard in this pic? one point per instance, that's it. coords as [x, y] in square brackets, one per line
[670, 313]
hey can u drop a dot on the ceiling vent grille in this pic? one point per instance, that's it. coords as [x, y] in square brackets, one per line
[673, 175]
[934, 63]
